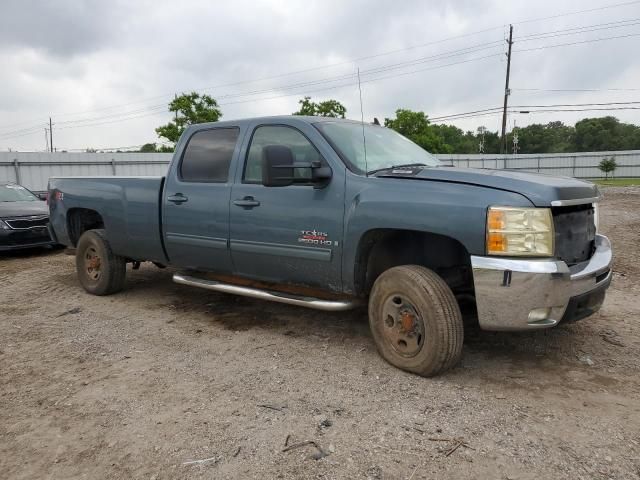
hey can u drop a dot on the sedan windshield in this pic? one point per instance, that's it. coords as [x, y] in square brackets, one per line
[384, 147]
[16, 193]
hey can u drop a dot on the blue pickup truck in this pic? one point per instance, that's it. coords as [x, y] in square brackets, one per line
[330, 214]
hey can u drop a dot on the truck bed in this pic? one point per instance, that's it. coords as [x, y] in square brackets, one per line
[128, 206]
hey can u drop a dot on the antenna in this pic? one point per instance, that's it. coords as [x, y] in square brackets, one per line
[364, 138]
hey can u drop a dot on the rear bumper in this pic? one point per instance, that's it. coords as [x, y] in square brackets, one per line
[514, 294]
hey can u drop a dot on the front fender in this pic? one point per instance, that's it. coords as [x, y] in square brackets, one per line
[454, 210]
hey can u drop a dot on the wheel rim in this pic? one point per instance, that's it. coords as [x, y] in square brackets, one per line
[92, 263]
[402, 326]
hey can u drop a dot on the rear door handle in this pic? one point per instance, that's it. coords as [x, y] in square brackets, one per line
[178, 198]
[246, 202]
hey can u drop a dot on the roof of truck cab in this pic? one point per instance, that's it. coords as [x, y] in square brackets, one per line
[275, 118]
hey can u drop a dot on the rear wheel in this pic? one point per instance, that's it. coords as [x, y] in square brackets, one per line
[100, 271]
[415, 320]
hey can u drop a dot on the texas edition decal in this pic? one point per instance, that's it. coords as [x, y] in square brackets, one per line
[314, 237]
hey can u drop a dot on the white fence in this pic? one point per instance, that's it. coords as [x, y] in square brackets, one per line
[34, 169]
[580, 165]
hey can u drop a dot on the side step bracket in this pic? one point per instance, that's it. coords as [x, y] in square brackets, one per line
[281, 297]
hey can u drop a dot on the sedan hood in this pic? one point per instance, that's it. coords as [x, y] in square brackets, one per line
[541, 189]
[21, 209]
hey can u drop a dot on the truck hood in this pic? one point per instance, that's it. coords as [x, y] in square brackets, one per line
[541, 189]
[21, 209]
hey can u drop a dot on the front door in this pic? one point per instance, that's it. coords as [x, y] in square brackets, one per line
[289, 234]
[196, 202]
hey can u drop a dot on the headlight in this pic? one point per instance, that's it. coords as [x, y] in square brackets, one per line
[4, 226]
[514, 231]
[596, 217]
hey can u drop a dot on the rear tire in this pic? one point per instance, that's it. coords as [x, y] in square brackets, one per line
[100, 271]
[415, 320]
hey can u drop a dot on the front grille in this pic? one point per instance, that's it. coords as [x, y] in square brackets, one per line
[24, 237]
[21, 223]
[575, 232]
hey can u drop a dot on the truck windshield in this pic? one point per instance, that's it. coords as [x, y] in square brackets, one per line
[16, 193]
[385, 148]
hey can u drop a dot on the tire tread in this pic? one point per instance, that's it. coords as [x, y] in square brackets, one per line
[449, 327]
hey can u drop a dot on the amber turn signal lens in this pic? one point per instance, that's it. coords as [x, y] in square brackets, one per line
[496, 220]
[497, 242]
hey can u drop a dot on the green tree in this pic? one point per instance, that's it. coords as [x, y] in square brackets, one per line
[189, 108]
[148, 148]
[607, 166]
[599, 134]
[328, 108]
[416, 127]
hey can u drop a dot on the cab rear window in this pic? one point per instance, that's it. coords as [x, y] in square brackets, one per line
[208, 155]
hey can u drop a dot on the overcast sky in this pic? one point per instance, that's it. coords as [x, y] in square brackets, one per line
[105, 70]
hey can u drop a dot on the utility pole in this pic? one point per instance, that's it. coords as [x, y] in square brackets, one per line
[503, 139]
[51, 134]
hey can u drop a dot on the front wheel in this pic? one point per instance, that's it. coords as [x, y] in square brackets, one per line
[100, 271]
[415, 320]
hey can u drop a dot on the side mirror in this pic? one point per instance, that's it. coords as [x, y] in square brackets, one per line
[277, 166]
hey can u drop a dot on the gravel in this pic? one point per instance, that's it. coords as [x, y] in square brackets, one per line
[163, 381]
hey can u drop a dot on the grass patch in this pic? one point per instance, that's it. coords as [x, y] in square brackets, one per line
[618, 182]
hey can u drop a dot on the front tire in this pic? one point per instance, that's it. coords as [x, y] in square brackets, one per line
[100, 271]
[415, 320]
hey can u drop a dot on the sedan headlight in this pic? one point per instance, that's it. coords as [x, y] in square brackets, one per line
[4, 226]
[515, 231]
[596, 217]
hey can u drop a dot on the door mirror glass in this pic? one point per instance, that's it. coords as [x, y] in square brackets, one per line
[277, 166]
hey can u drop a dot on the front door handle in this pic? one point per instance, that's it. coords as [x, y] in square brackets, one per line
[246, 202]
[178, 198]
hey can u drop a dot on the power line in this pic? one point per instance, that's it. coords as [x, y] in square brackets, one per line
[577, 43]
[580, 110]
[117, 120]
[496, 110]
[386, 68]
[576, 89]
[149, 111]
[351, 61]
[383, 68]
[367, 81]
[290, 73]
[579, 30]
[159, 109]
[453, 116]
[379, 69]
[576, 104]
[589, 10]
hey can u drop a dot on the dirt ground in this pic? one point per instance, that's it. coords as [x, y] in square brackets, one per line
[164, 381]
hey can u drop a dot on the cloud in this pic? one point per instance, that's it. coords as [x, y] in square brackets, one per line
[122, 61]
[63, 27]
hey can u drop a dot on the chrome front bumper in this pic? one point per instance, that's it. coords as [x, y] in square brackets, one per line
[516, 294]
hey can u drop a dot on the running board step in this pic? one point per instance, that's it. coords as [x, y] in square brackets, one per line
[291, 299]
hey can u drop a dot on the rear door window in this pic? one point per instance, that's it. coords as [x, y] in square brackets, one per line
[208, 155]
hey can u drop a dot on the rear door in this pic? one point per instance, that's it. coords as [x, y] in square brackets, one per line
[196, 201]
[287, 234]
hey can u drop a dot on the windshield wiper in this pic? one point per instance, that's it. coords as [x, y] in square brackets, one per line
[404, 165]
